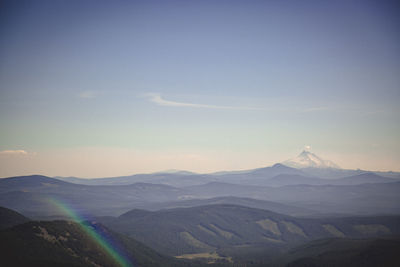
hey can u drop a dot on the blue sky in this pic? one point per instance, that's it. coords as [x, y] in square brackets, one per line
[100, 88]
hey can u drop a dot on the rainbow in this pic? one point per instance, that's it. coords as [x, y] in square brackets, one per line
[109, 246]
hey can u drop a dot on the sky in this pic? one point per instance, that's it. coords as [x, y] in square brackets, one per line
[109, 88]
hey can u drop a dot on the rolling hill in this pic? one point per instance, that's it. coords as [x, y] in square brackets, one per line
[30, 195]
[344, 252]
[364, 199]
[240, 201]
[229, 229]
[287, 179]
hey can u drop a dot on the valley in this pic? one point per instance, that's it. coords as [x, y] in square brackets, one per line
[270, 216]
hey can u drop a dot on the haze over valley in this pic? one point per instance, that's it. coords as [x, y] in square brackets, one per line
[260, 215]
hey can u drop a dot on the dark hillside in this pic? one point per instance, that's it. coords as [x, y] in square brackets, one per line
[10, 218]
[64, 243]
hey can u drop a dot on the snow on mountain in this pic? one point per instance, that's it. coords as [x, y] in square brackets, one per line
[307, 159]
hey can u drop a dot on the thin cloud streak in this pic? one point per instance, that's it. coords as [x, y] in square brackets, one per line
[14, 152]
[312, 109]
[159, 100]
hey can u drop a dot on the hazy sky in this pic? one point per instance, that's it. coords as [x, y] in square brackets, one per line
[104, 88]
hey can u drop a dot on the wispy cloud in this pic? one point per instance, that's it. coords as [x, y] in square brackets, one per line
[313, 109]
[159, 100]
[14, 152]
[88, 94]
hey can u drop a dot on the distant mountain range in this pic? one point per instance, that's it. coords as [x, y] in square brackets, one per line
[306, 168]
[30, 195]
[363, 194]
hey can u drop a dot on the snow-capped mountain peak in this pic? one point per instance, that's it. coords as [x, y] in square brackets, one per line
[307, 159]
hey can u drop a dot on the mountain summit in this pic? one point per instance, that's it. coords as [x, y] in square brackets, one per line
[307, 159]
